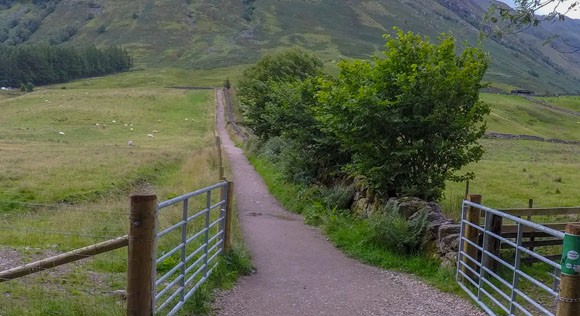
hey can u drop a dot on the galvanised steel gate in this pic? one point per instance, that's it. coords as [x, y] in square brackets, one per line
[498, 281]
[199, 235]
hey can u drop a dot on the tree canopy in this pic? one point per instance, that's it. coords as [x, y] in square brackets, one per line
[412, 118]
[45, 64]
[404, 122]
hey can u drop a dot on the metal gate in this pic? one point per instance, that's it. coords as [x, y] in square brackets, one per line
[199, 234]
[497, 280]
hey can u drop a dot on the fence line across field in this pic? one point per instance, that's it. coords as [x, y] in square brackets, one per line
[193, 268]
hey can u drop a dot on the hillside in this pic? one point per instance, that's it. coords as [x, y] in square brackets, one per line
[217, 33]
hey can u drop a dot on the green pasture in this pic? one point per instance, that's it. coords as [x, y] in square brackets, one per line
[514, 171]
[567, 102]
[516, 115]
[66, 170]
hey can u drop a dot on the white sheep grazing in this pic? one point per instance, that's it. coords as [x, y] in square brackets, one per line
[61, 133]
[155, 131]
[150, 135]
[113, 121]
[130, 143]
[97, 124]
[131, 129]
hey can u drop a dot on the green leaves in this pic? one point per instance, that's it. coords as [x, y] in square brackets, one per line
[412, 118]
[405, 121]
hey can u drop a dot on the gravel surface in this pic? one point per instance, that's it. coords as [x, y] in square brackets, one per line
[298, 272]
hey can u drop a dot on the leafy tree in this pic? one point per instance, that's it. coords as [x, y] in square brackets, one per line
[255, 88]
[412, 118]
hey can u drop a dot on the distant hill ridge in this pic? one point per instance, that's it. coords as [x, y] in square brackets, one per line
[217, 33]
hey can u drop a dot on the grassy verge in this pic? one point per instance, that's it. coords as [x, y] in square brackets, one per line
[350, 234]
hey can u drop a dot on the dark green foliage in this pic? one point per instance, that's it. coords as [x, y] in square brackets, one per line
[248, 9]
[278, 96]
[273, 72]
[338, 197]
[410, 119]
[390, 229]
[101, 29]
[63, 35]
[227, 83]
[42, 65]
[29, 87]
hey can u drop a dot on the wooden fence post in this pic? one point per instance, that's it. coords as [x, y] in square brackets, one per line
[569, 296]
[142, 252]
[532, 238]
[472, 215]
[228, 224]
[218, 144]
[492, 245]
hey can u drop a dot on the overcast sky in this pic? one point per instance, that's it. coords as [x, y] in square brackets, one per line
[575, 14]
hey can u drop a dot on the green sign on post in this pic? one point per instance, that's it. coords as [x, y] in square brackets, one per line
[571, 255]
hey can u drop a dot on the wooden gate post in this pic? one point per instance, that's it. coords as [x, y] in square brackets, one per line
[472, 215]
[141, 257]
[228, 224]
[492, 245]
[569, 296]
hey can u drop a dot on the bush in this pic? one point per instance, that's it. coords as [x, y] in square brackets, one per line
[390, 229]
[338, 197]
[412, 119]
[272, 148]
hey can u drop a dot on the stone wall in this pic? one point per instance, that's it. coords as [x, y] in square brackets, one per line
[442, 238]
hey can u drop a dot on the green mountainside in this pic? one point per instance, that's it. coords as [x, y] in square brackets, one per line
[218, 33]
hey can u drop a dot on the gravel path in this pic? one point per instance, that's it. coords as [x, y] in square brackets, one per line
[298, 272]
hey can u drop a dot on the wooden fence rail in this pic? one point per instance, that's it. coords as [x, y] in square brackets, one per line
[68, 257]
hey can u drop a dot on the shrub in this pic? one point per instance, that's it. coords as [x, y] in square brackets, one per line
[272, 148]
[412, 119]
[390, 229]
[338, 197]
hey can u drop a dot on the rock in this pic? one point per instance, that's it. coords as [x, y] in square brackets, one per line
[120, 293]
[448, 229]
[408, 206]
[361, 208]
[449, 261]
[449, 244]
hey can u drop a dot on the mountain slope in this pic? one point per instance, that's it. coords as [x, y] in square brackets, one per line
[215, 33]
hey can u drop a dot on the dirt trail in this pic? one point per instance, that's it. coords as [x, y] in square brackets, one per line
[300, 273]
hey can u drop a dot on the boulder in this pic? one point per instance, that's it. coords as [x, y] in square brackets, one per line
[448, 229]
[449, 261]
[449, 243]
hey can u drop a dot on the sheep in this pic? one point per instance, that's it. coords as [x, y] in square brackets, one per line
[131, 129]
[61, 133]
[155, 131]
[130, 143]
[150, 135]
[113, 121]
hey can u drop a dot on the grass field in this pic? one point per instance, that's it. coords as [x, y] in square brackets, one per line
[516, 115]
[513, 171]
[567, 102]
[66, 170]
